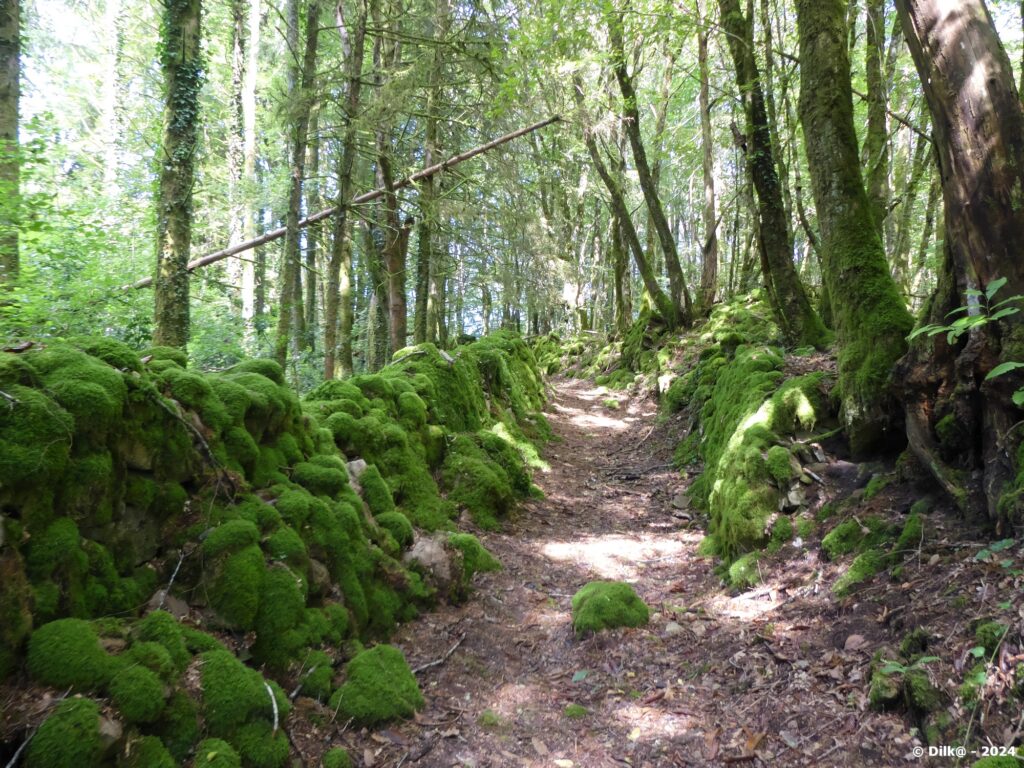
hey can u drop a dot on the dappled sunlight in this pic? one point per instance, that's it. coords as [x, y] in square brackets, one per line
[616, 557]
[511, 698]
[647, 723]
[580, 418]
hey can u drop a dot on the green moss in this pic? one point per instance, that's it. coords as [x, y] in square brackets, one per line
[375, 491]
[379, 686]
[15, 611]
[282, 610]
[920, 694]
[989, 634]
[177, 356]
[259, 746]
[316, 675]
[147, 752]
[605, 604]
[160, 627]
[575, 711]
[66, 654]
[398, 526]
[285, 545]
[477, 482]
[336, 757]
[911, 536]
[854, 536]
[235, 593]
[876, 485]
[863, 567]
[216, 753]
[35, 438]
[232, 692]
[320, 480]
[268, 466]
[914, 643]
[138, 694]
[266, 368]
[884, 692]
[152, 656]
[475, 557]
[743, 571]
[90, 390]
[68, 738]
[782, 532]
[997, 761]
[178, 727]
[780, 467]
[230, 537]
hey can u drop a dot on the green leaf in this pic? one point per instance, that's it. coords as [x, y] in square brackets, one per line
[1016, 297]
[1002, 368]
[972, 292]
[893, 668]
[1007, 563]
[957, 311]
[983, 555]
[1004, 312]
[993, 288]
[1018, 398]
[580, 676]
[977, 651]
[1002, 544]
[923, 329]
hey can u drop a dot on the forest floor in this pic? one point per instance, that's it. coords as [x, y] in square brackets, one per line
[776, 675]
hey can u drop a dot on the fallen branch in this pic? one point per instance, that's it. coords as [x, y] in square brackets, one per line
[442, 660]
[273, 704]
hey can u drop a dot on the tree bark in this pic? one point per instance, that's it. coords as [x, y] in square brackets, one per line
[313, 202]
[793, 311]
[876, 139]
[338, 304]
[709, 249]
[302, 76]
[870, 319]
[677, 283]
[10, 161]
[978, 124]
[249, 312]
[181, 64]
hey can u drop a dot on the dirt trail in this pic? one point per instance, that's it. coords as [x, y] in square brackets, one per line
[763, 678]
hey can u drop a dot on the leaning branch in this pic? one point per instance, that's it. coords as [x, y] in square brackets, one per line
[367, 197]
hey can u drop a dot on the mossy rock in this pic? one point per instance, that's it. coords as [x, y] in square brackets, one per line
[376, 493]
[989, 634]
[320, 480]
[68, 738]
[216, 753]
[742, 572]
[336, 757]
[885, 690]
[780, 465]
[606, 604]
[35, 438]
[259, 746]
[279, 636]
[147, 752]
[231, 692]
[398, 526]
[855, 536]
[66, 653]
[178, 726]
[863, 567]
[379, 686]
[173, 354]
[162, 628]
[138, 694]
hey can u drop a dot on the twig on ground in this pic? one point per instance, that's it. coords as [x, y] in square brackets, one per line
[273, 704]
[440, 661]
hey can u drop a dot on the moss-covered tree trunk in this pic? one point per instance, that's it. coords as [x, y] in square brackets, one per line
[793, 311]
[876, 138]
[291, 316]
[10, 167]
[709, 248]
[338, 312]
[180, 61]
[870, 318]
[965, 429]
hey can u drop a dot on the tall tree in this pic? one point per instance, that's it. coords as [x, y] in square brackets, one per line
[978, 124]
[870, 319]
[181, 64]
[10, 163]
[709, 248]
[876, 138]
[677, 283]
[793, 311]
[248, 98]
[338, 310]
[290, 318]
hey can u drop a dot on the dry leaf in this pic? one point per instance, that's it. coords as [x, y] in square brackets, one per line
[753, 742]
[540, 747]
[369, 758]
[854, 643]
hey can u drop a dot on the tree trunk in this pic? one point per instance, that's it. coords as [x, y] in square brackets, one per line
[10, 161]
[249, 312]
[302, 77]
[709, 249]
[978, 125]
[338, 304]
[677, 283]
[236, 132]
[181, 64]
[313, 203]
[620, 267]
[793, 312]
[870, 319]
[876, 139]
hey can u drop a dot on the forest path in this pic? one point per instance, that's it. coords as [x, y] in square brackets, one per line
[704, 684]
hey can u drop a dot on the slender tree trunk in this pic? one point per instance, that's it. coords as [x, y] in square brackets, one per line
[620, 267]
[10, 161]
[709, 248]
[248, 266]
[378, 343]
[677, 283]
[338, 305]
[876, 139]
[302, 76]
[793, 311]
[871, 321]
[181, 63]
[314, 202]
[903, 268]
[978, 125]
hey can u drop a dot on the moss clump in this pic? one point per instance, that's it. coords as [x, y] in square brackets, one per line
[989, 634]
[920, 694]
[606, 604]
[575, 711]
[178, 727]
[915, 643]
[876, 485]
[854, 536]
[162, 628]
[379, 686]
[15, 613]
[68, 738]
[138, 694]
[997, 761]
[279, 636]
[148, 752]
[376, 493]
[863, 567]
[779, 465]
[235, 593]
[66, 654]
[398, 526]
[485, 475]
[910, 537]
[232, 692]
[259, 746]
[215, 753]
[743, 571]
[177, 356]
[490, 720]
[35, 438]
[316, 675]
[336, 757]
[884, 692]
[87, 388]
[267, 368]
[320, 480]
[230, 537]
[475, 557]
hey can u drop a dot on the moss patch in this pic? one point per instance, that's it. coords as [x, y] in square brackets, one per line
[379, 686]
[606, 604]
[68, 738]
